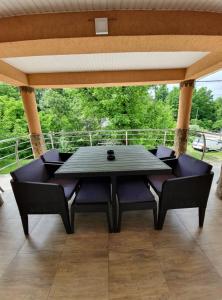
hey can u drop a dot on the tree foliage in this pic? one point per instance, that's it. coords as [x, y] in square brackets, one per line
[107, 108]
[12, 120]
[206, 112]
[96, 108]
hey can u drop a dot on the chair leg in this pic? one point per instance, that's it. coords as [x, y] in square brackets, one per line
[115, 208]
[73, 218]
[161, 219]
[66, 222]
[155, 217]
[25, 223]
[109, 218]
[201, 215]
[119, 221]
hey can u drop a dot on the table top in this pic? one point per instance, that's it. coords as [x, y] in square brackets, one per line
[130, 160]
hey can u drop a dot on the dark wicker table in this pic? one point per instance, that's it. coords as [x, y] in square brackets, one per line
[130, 160]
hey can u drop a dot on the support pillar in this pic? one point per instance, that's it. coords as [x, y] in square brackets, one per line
[32, 116]
[183, 119]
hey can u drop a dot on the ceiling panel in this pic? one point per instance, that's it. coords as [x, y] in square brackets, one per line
[105, 61]
[23, 7]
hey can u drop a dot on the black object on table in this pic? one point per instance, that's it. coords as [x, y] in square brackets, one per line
[110, 151]
[111, 157]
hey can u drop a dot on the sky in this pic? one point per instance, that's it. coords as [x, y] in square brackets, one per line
[215, 86]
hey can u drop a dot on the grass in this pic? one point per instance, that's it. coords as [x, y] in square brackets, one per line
[213, 156]
[14, 166]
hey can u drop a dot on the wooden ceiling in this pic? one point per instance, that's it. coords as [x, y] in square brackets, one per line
[138, 31]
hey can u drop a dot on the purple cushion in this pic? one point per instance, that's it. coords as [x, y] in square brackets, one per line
[93, 191]
[69, 185]
[163, 151]
[190, 166]
[157, 181]
[51, 156]
[133, 191]
[35, 171]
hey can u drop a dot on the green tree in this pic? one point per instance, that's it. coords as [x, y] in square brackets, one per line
[173, 100]
[205, 110]
[58, 111]
[161, 92]
[218, 107]
[9, 91]
[12, 119]
[203, 107]
[123, 107]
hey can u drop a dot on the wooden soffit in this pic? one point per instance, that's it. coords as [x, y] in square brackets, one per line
[129, 31]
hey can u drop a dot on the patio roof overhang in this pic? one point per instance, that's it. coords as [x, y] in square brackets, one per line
[26, 42]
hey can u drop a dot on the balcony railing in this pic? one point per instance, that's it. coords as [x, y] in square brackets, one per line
[17, 151]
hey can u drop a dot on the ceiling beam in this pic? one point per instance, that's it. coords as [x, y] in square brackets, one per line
[108, 78]
[12, 75]
[207, 65]
[110, 44]
[121, 23]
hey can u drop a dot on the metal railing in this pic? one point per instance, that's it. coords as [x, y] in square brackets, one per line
[70, 141]
[14, 152]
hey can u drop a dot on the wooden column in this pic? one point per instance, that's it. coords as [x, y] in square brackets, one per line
[183, 119]
[32, 116]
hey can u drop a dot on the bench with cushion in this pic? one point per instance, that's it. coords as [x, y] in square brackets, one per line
[188, 186]
[38, 192]
[93, 195]
[54, 156]
[163, 152]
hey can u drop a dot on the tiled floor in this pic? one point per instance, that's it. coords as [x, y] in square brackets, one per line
[179, 262]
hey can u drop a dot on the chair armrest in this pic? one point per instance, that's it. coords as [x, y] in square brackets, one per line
[184, 192]
[65, 156]
[167, 158]
[153, 151]
[35, 197]
[52, 167]
[171, 162]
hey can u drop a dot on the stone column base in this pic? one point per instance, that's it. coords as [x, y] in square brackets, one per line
[219, 186]
[180, 141]
[38, 144]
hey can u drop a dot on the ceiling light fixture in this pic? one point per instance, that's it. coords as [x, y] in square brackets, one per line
[101, 26]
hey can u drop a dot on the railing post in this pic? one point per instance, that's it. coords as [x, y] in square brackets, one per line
[126, 138]
[164, 138]
[1, 200]
[90, 138]
[51, 140]
[16, 152]
[204, 147]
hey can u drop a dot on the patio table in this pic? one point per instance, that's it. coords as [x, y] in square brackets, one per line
[130, 160]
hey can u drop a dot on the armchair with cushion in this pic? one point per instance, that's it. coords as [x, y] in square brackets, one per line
[38, 192]
[55, 157]
[188, 186]
[163, 152]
